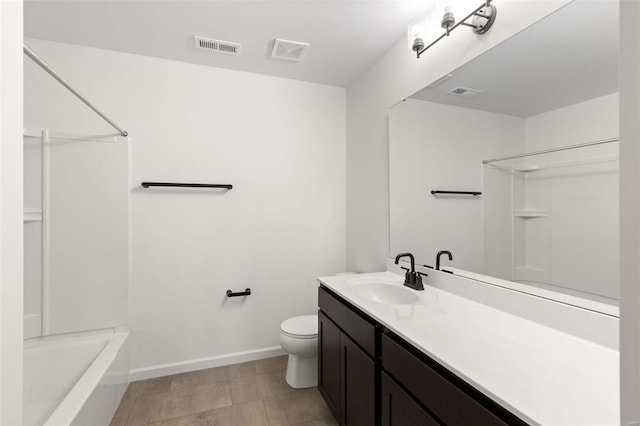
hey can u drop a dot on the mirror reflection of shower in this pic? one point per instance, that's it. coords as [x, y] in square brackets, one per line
[563, 206]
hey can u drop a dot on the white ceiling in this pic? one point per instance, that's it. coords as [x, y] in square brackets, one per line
[346, 37]
[569, 57]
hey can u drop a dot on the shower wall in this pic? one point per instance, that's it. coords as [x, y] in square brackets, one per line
[76, 232]
[76, 204]
[32, 235]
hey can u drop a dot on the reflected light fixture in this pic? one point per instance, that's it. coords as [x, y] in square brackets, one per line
[481, 21]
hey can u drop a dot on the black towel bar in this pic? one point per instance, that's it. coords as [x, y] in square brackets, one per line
[247, 292]
[189, 185]
[474, 193]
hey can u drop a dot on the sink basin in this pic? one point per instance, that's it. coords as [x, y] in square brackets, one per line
[385, 293]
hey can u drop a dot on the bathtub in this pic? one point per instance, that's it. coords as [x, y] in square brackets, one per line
[74, 379]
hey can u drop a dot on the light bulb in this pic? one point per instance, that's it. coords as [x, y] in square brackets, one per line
[448, 17]
[450, 6]
[417, 34]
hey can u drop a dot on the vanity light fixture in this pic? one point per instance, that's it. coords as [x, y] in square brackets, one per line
[481, 21]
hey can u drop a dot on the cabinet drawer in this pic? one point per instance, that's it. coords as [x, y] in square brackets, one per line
[444, 394]
[361, 330]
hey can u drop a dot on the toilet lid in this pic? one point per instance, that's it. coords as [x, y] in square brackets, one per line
[305, 325]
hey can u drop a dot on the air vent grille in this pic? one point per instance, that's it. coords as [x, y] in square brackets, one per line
[464, 92]
[289, 50]
[214, 45]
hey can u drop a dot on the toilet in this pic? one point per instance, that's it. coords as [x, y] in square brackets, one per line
[299, 338]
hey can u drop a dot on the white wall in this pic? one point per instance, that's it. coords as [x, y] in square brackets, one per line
[395, 76]
[429, 150]
[280, 142]
[592, 120]
[11, 239]
[630, 211]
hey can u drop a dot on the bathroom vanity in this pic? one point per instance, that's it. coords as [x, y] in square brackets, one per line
[389, 355]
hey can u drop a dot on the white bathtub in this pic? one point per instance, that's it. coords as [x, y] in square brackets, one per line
[76, 378]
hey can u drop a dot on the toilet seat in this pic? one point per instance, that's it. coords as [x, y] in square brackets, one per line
[301, 327]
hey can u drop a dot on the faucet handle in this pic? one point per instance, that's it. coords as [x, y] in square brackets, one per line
[407, 275]
[415, 280]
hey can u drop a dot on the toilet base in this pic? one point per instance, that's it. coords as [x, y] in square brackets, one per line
[302, 372]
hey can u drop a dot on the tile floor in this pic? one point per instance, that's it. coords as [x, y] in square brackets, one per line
[247, 394]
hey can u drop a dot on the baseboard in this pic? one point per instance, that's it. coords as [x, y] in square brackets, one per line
[202, 363]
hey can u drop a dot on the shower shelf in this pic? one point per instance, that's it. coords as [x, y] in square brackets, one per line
[32, 215]
[530, 213]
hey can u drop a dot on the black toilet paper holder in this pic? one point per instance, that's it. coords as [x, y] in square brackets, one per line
[247, 292]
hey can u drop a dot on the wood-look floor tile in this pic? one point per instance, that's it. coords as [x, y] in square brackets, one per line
[121, 415]
[181, 402]
[307, 405]
[278, 363]
[217, 417]
[245, 389]
[200, 377]
[241, 370]
[299, 406]
[251, 393]
[324, 421]
[250, 413]
[273, 384]
[276, 408]
[147, 387]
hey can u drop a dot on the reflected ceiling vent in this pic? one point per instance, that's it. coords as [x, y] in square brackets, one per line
[464, 92]
[220, 46]
[289, 50]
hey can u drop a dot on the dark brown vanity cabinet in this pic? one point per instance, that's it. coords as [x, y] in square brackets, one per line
[398, 408]
[346, 368]
[369, 376]
[446, 397]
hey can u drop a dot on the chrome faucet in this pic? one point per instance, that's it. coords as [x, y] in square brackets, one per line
[440, 253]
[412, 279]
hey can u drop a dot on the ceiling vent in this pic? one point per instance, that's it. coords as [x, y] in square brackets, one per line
[289, 50]
[217, 45]
[464, 92]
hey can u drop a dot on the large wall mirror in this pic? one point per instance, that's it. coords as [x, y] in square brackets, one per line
[532, 125]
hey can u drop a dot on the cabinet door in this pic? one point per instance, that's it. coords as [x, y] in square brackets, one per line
[451, 400]
[399, 409]
[358, 386]
[329, 360]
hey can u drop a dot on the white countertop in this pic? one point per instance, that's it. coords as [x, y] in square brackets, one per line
[542, 375]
